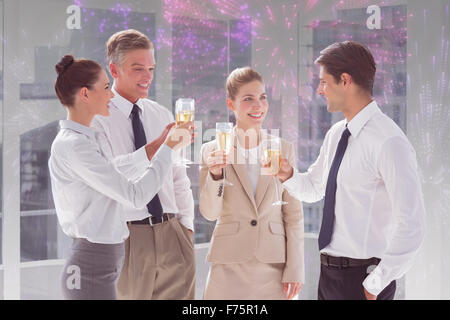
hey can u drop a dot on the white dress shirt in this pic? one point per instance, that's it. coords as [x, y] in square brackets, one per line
[117, 138]
[379, 210]
[88, 189]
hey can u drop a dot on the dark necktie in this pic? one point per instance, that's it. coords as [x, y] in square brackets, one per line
[154, 206]
[326, 230]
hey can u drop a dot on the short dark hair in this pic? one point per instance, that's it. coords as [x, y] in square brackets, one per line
[74, 75]
[350, 57]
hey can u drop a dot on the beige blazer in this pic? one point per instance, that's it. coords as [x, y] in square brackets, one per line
[249, 225]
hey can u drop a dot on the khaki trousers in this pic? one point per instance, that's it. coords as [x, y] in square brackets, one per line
[159, 263]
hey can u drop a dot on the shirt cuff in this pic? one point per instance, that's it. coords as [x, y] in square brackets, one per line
[375, 282]
[187, 222]
[165, 152]
[140, 156]
[290, 184]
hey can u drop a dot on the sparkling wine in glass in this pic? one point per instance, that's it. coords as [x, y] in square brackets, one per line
[271, 162]
[224, 136]
[184, 112]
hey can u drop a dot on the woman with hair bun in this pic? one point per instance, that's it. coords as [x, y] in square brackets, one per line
[256, 250]
[88, 186]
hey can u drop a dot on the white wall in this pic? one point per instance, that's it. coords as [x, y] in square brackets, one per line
[429, 131]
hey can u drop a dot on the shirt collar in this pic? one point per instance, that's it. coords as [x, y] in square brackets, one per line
[123, 104]
[359, 121]
[77, 127]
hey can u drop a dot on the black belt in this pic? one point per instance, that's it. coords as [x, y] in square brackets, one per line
[344, 262]
[153, 220]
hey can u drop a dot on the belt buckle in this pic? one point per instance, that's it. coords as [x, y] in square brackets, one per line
[161, 221]
[344, 265]
[150, 221]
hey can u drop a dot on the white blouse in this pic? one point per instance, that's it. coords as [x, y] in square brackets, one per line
[88, 189]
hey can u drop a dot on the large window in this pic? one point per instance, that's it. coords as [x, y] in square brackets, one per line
[204, 50]
[387, 44]
[198, 43]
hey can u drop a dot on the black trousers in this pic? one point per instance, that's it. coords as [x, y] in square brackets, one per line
[346, 284]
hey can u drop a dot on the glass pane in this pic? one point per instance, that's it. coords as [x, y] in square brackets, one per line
[1, 148]
[201, 49]
[41, 236]
[388, 45]
[197, 45]
[346, 20]
[429, 132]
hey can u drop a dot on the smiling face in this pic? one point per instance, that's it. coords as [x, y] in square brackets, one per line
[99, 95]
[250, 105]
[332, 91]
[133, 77]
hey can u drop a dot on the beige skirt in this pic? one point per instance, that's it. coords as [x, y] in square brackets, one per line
[250, 280]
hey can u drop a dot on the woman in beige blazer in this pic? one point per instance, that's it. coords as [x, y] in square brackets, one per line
[257, 248]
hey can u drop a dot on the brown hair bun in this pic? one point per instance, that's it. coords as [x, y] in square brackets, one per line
[64, 64]
[74, 74]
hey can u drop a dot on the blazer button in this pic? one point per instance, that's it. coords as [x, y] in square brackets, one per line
[253, 222]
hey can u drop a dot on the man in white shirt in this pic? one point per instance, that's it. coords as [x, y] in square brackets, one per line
[159, 257]
[374, 218]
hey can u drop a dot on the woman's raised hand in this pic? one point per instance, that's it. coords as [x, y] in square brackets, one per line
[216, 161]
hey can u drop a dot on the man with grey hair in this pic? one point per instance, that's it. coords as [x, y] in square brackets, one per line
[159, 254]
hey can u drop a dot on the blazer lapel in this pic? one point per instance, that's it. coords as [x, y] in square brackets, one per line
[261, 189]
[242, 175]
[241, 172]
[264, 180]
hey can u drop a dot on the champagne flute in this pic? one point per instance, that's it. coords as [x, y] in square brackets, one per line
[271, 162]
[224, 136]
[184, 112]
